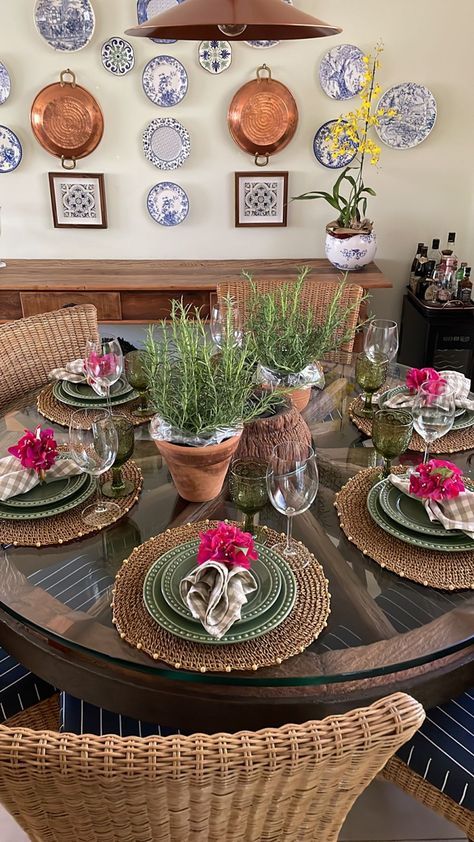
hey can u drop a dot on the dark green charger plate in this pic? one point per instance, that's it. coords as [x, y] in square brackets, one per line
[58, 507]
[84, 392]
[464, 418]
[60, 395]
[410, 512]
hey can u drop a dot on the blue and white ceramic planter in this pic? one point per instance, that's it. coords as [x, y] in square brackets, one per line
[351, 253]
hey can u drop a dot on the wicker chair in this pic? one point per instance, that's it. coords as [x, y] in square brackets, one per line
[316, 296]
[287, 784]
[30, 348]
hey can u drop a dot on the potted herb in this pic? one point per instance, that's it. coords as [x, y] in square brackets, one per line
[202, 399]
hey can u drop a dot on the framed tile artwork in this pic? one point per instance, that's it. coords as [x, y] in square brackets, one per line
[261, 199]
[78, 200]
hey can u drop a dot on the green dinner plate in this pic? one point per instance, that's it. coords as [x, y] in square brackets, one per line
[78, 404]
[84, 392]
[464, 418]
[57, 508]
[410, 512]
[45, 494]
[168, 619]
[447, 543]
[180, 561]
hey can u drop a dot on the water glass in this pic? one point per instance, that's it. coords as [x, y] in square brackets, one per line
[226, 324]
[434, 410]
[104, 364]
[94, 450]
[381, 339]
[135, 371]
[248, 489]
[118, 486]
[371, 373]
[292, 483]
[392, 430]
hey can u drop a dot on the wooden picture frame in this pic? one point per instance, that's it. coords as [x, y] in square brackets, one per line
[75, 205]
[268, 189]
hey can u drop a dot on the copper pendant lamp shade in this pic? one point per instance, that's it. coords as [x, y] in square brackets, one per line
[235, 20]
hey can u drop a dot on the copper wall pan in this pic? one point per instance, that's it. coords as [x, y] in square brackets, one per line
[263, 116]
[66, 120]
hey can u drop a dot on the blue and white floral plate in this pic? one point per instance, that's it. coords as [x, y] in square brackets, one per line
[168, 203]
[323, 152]
[415, 118]
[118, 56]
[341, 72]
[67, 25]
[147, 9]
[5, 83]
[166, 143]
[215, 56]
[11, 152]
[264, 45]
[165, 81]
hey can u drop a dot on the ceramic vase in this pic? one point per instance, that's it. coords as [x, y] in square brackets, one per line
[349, 253]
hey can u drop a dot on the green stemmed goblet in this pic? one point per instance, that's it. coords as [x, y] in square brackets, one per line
[371, 373]
[118, 486]
[136, 377]
[248, 489]
[392, 430]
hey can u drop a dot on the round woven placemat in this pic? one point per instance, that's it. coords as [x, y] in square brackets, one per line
[135, 625]
[60, 413]
[445, 571]
[453, 442]
[69, 526]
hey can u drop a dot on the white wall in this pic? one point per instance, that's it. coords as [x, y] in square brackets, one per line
[422, 193]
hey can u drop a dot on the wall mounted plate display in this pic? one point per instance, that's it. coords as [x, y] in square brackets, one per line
[5, 83]
[323, 152]
[264, 45]
[165, 81]
[341, 72]
[11, 152]
[147, 9]
[168, 203]
[67, 25]
[118, 56]
[166, 143]
[415, 118]
[215, 56]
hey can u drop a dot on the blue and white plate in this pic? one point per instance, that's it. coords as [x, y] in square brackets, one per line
[264, 45]
[66, 25]
[415, 118]
[166, 143]
[118, 56]
[147, 9]
[165, 81]
[215, 56]
[323, 152]
[167, 203]
[5, 83]
[11, 152]
[341, 72]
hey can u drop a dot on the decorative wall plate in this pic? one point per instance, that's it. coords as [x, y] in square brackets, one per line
[215, 56]
[147, 9]
[341, 72]
[167, 203]
[67, 25]
[118, 56]
[264, 45]
[11, 152]
[165, 81]
[166, 143]
[415, 119]
[323, 152]
[5, 83]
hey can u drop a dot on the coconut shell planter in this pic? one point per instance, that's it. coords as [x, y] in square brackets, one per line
[263, 434]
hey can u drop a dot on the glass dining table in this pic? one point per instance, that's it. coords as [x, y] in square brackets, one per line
[384, 632]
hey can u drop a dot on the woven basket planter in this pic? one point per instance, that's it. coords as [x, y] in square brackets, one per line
[263, 434]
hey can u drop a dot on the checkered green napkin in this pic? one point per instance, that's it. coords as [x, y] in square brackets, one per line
[14, 479]
[457, 513]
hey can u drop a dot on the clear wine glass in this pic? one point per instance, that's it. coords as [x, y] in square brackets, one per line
[433, 412]
[226, 323]
[94, 450]
[104, 364]
[381, 339]
[2, 262]
[292, 483]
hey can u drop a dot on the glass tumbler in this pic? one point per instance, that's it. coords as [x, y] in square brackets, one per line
[371, 373]
[118, 486]
[248, 489]
[392, 430]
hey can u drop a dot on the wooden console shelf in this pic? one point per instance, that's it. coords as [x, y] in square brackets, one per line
[140, 291]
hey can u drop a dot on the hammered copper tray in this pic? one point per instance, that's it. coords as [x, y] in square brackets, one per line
[263, 116]
[67, 120]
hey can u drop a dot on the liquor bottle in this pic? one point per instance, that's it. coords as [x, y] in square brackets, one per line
[412, 282]
[448, 251]
[458, 279]
[466, 286]
[433, 257]
[420, 270]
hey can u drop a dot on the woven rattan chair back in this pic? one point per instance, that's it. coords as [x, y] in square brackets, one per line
[291, 784]
[30, 348]
[316, 296]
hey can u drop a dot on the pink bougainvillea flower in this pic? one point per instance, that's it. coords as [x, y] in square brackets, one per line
[416, 376]
[102, 365]
[437, 480]
[37, 451]
[227, 544]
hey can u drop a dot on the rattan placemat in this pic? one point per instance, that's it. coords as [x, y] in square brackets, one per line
[60, 413]
[135, 625]
[69, 526]
[445, 571]
[453, 442]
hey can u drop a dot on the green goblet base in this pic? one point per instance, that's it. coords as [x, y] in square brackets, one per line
[123, 490]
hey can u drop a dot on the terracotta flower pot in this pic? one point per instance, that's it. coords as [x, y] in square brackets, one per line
[261, 435]
[300, 398]
[198, 472]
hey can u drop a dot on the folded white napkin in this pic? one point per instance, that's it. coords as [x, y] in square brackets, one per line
[215, 595]
[14, 479]
[460, 384]
[75, 372]
[457, 513]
